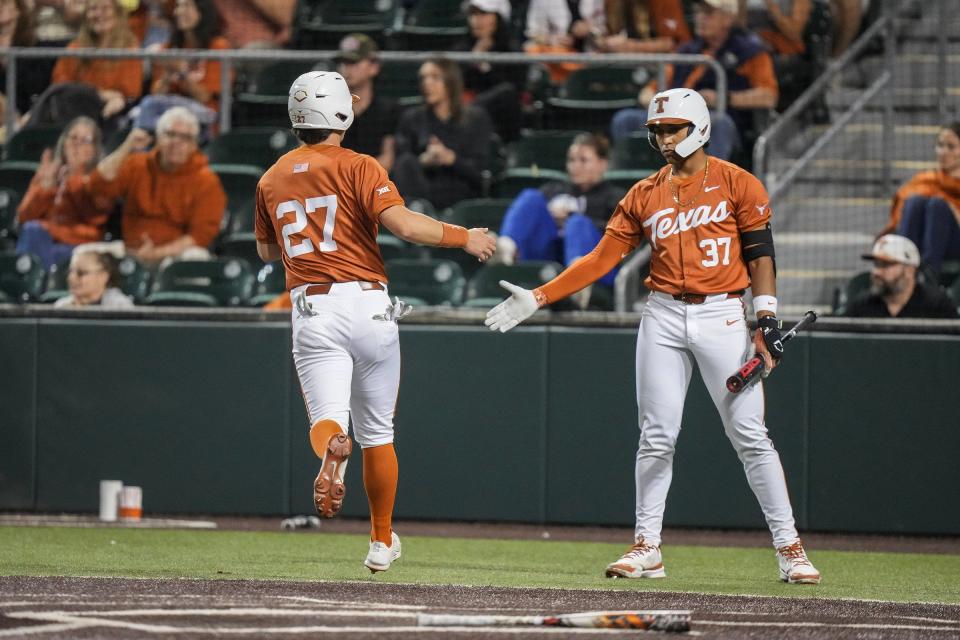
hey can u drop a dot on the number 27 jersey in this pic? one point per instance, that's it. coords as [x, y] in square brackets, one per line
[321, 204]
[696, 246]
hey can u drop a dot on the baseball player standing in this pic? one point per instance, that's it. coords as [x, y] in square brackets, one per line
[708, 224]
[318, 210]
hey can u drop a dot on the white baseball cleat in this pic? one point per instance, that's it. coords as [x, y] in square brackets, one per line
[642, 560]
[795, 567]
[380, 556]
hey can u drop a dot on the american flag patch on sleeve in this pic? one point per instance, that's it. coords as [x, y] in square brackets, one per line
[301, 167]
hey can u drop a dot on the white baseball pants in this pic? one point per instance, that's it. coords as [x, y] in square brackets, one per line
[348, 362]
[672, 336]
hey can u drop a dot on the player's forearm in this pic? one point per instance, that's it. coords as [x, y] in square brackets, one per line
[420, 229]
[584, 271]
[758, 98]
[763, 279]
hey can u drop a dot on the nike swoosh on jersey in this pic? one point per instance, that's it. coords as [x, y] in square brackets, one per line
[706, 189]
[730, 322]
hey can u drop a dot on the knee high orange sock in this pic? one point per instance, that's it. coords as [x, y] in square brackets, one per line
[320, 434]
[380, 481]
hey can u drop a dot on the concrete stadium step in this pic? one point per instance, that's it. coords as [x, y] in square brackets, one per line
[836, 214]
[905, 99]
[910, 69]
[842, 170]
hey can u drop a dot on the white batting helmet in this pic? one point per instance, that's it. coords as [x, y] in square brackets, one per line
[320, 100]
[677, 106]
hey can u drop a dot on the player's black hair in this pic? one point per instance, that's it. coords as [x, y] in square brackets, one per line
[953, 126]
[312, 136]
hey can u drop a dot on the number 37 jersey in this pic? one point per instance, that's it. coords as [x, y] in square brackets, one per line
[696, 245]
[321, 204]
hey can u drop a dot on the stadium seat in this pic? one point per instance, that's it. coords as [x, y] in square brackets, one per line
[134, 279]
[224, 282]
[28, 144]
[515, 180]
[21, 277]
[484, 288]
[56, 282]
[954, 291]
[602, 88]
[333, 20]
[255, 146]
[422, 205]
[635, 153]
[478, 212]
[9, 201]
[626, 178]
[271, 282]
[17, 174]
[426, 282]
[264, 101]
[433, 25]
[240, 184]
[541, 150]
[391, 247]
[857, 285]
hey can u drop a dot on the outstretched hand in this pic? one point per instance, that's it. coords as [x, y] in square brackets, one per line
[479, 244]
[518, 307]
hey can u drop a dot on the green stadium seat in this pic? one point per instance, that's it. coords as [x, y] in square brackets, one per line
[422, 205]
[857, 285]
[264, 101]
[56, 285]
[17, 174]
[226, 282]
[135, 279]
[478, 212]
[399, 81]
[426, 282]
[256, 146]
[626, 178]
[597, 88]
[391, 247]
[484, 288]
[634, 152]
[28, 144]
[9, 201]
[239, 182]
[241, 245]
[515, 180]
[271, 282]
[334, 20]
[21, 277]
[541, 150]
[433, 25]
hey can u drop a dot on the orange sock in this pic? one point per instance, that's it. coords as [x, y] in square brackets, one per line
[320, 434]
[380, 481]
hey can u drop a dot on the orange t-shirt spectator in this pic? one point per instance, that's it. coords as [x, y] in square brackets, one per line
[173, 201]
[118, 81]
[197, 25]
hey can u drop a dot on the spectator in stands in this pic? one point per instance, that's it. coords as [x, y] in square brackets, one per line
[261, 24]
[94, 280]
[375, 117]
[927, 208]
[443, 144]
[194, 84]
[58, 21]
[33, 76]
[750, 78]
[642, 26]
[118, 82]
[781, 25]
[58, 213]
[894, 290]
[848, 17]
[548, 31]
[173, 201]
[495, 88]
[563, 221]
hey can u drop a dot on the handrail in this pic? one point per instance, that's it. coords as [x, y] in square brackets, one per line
[625, 277]
[229, 56]
[813, 91]
[801, 163]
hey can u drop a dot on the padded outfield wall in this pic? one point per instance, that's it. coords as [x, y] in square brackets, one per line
[203, 411]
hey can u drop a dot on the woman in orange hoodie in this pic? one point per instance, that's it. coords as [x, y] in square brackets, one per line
[927, 208]
[57, 213]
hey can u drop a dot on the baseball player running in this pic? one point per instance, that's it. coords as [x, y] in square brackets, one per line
[318, 209]
[708, 224]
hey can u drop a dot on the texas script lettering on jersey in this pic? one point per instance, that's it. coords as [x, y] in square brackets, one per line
[662, 224]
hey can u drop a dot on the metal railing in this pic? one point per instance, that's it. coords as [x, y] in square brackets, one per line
[228, 58]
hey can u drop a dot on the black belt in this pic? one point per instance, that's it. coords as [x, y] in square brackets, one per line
[324, 287]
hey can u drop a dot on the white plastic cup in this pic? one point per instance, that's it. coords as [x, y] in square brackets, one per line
[131, 504]
[109, 498]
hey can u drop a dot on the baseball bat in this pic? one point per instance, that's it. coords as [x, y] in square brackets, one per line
[666, 620]
[754, 367]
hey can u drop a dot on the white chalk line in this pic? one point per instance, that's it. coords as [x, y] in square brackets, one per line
[826, 625]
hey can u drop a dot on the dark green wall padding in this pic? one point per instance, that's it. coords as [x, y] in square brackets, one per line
[538, 425]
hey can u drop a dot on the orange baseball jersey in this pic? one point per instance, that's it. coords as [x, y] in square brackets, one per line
[696, 247]
[322, 205]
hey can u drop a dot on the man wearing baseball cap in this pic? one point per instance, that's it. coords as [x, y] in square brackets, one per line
[375, 117]
[894, 290]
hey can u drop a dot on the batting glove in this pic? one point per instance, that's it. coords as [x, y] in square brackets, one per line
[769, 327]
[518, 307]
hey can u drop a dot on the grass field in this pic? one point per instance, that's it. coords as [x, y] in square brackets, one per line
[308, 556]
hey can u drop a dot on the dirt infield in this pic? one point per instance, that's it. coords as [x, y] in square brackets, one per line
[122, 608]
